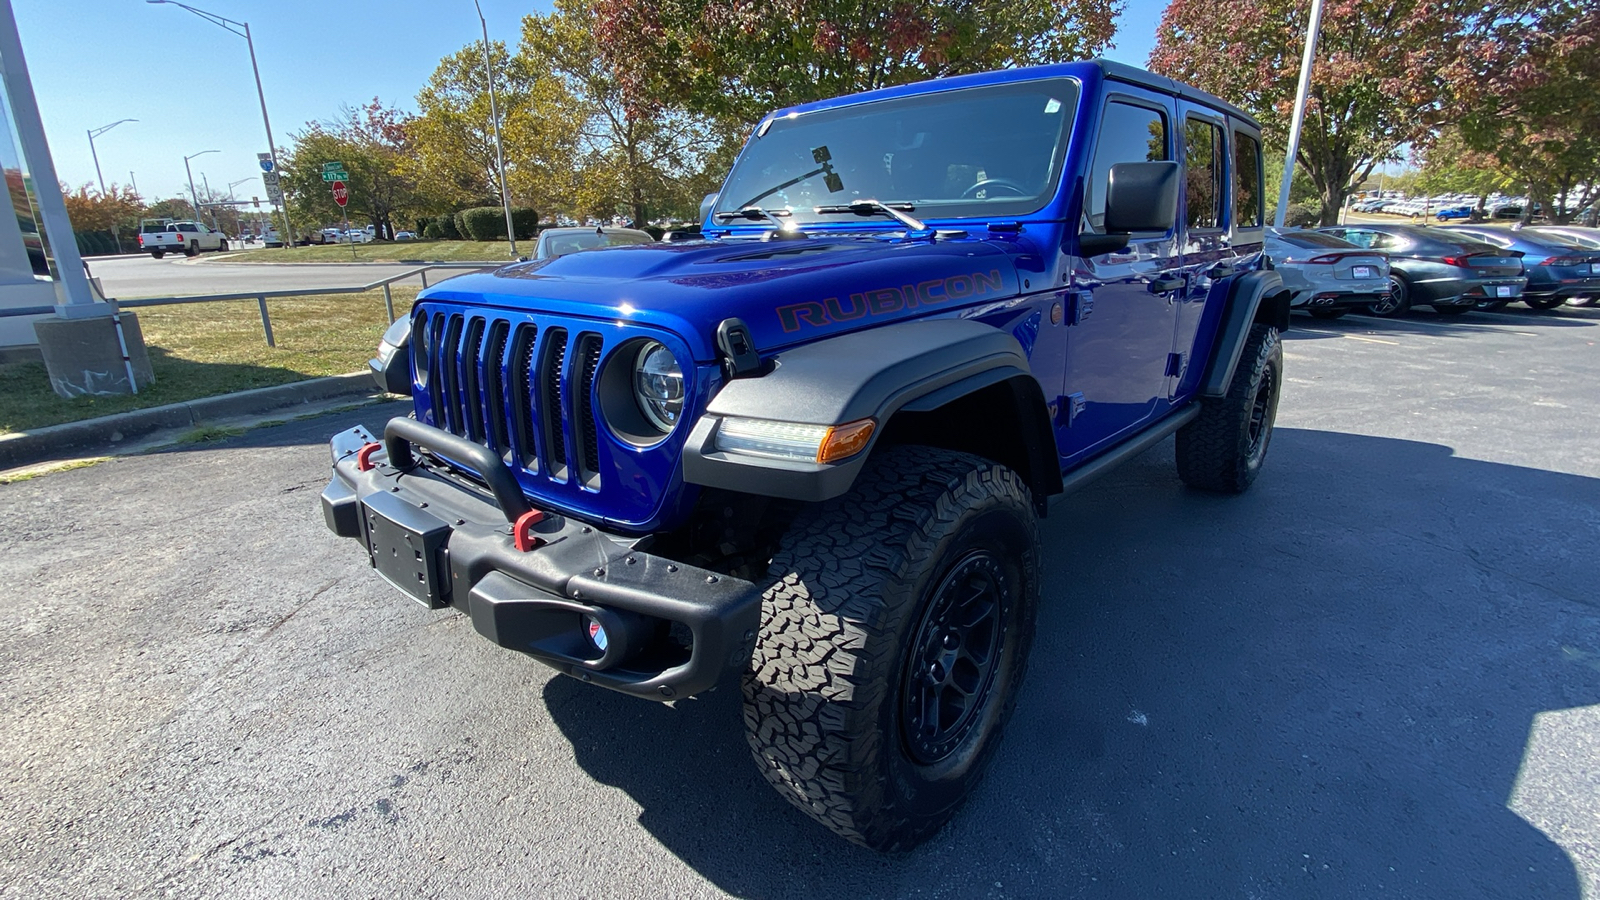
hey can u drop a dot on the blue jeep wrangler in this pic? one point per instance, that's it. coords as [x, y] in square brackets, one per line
[811, 449]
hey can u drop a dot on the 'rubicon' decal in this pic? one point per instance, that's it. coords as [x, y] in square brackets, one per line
[885, 301]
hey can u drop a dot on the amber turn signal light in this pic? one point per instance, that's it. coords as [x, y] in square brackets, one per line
[845, 441]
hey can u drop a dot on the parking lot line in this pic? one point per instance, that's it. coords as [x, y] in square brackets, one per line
[1353, 337]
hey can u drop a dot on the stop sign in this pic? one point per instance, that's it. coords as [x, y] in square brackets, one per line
[341, 193]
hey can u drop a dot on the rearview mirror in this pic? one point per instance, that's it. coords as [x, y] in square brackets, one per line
[1142, 196]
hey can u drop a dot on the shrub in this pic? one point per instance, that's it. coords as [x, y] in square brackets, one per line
[526, 221]
[434, 230]
[422, 224]
[484, 223]
[1301, 214]
[447, 228]
[460, 225]
[654, 231]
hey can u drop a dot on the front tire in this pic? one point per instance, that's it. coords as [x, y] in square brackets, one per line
[1224, 448]
[895, 632]
[222, 247]
[1580, 301]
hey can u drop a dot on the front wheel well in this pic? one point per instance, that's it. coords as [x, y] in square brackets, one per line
[1274, 311]
[1006, 422]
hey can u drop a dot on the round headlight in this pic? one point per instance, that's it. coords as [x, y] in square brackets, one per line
[658, 385]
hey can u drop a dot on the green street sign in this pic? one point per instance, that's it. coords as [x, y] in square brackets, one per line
[333, 167]
[335, 175]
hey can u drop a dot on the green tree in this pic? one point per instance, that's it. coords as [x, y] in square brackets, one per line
[453, 158]
[374, 142]
[738, 59]
[1524, 86]
[630, 157]
[1374, 89]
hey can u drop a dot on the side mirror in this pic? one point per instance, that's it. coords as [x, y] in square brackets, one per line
[706, 205]
[1142, 196]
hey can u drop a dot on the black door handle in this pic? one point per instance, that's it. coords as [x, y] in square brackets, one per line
[1166, 283]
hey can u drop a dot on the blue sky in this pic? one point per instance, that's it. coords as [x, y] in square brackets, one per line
[188, 82]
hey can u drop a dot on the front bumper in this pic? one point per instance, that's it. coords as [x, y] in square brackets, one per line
[670, 630]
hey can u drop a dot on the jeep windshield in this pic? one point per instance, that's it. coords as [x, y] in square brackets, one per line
[973, 152]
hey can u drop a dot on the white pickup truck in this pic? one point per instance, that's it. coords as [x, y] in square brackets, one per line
[189, 238]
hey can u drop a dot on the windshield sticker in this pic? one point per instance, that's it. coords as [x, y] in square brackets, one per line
[887, 301]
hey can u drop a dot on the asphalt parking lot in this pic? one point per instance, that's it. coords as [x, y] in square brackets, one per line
[1375, 675]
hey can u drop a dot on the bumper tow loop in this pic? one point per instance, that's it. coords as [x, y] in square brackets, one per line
[522, 536]
[364, 461]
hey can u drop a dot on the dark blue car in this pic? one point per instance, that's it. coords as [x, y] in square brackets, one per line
[1558, 269]
[808, 452]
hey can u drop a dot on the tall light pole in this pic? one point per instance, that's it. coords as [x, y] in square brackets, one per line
[494, 117]
[1312, 31]
[94, 133]
[195, 198]
[133, 181]
[233, 28]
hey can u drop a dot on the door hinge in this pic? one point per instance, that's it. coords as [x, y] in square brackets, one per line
[1082, 306]
[1175, 364]
[1075, 405]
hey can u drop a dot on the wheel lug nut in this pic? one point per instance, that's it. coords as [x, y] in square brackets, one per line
[951, 641]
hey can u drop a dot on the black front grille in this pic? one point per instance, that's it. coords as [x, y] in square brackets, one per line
[519, 390]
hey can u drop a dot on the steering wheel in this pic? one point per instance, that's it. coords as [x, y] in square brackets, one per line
[1005, 184]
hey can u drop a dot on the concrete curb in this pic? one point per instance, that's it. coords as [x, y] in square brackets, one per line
[225, 261]
[106, 433]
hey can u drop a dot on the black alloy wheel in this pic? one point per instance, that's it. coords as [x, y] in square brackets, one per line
[1394, 303]
[949, 674]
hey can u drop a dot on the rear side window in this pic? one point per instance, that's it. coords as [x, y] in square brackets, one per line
[1128, 133]
[1203, 173]
[1247, 200]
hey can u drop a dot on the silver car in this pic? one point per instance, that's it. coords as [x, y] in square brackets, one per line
[555, 242]
[1326, 277]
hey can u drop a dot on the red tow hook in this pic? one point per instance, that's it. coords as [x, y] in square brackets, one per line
[364, 461]
[522, 536]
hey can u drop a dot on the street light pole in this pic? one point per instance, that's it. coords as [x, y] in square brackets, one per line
[1312, 31]
[233, 27]
[494, 117]
[94, 133]
[193, 197]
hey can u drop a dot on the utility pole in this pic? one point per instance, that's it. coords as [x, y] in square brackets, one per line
[494, 117]
[1299, 110]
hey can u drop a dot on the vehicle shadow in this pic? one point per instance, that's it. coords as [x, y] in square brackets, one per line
[1323, 688]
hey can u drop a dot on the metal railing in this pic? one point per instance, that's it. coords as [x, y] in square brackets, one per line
[261, 297]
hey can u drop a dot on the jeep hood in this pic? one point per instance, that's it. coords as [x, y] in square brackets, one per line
[787, 292]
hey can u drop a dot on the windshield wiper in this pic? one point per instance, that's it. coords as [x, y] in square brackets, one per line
[866, 207]
[782, 229]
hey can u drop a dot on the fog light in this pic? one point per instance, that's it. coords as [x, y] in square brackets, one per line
[596, 632]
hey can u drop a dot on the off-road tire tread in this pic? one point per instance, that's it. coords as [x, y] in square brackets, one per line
[1209, 452]
[826, 659]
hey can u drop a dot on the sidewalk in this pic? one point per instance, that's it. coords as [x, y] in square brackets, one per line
[109, 434]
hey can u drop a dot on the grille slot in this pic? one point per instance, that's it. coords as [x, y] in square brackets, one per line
[587, 363]
[551, 370]
[523, 391]
[472, 381]
[494, 390]
[449, 359]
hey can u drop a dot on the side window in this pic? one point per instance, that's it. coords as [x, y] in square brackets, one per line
[1128, 133]
[1203, 175]
[1359, 238]
[1248, 204]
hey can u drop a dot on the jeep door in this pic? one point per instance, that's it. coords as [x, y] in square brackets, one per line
[1124, 309]
[1205, 214]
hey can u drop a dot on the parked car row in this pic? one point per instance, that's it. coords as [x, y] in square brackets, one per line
[1386, 270]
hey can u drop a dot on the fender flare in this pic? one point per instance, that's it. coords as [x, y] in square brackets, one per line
[1253, 297]
[875, 373]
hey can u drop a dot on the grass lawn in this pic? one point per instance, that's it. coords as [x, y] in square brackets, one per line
[203, 349]
[385, 251]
